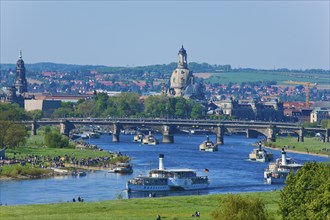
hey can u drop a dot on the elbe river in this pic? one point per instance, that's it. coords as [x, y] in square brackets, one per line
[230, 171]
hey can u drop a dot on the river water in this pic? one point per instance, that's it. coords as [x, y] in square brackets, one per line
[229, 171]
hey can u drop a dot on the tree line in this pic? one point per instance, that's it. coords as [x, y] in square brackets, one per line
[132, 105]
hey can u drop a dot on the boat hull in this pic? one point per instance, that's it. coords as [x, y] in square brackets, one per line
[155, 188]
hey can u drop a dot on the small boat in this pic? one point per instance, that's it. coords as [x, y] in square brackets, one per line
[162, 179]
[260, 155]
[57, 170]
[122, 168]
[208, 145]
[93, 134]
[138, 138]
[279, 170]
[79, 173]
[150, 139]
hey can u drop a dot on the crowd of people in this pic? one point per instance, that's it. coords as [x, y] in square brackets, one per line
[48, 161]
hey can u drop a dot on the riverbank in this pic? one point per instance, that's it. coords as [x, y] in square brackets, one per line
[36, 162]
[171, 208]
[311, 146]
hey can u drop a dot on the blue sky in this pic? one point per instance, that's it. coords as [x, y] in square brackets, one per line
[256, 34]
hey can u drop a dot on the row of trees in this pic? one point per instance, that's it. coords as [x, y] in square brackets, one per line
[131, 105]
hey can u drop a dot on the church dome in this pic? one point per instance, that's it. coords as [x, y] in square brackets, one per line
[182, 50]
[193, 90]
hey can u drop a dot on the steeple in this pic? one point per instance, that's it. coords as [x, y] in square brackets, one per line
[20, 80]
[182, 58]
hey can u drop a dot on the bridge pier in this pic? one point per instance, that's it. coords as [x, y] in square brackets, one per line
[271, 134]
[251, 133]
[116, 132]
[65, 127]
[168, 134]
[219, 133]
[301, 134]
[34, 127]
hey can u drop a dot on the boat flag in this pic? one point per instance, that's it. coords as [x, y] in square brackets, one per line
[206, 170]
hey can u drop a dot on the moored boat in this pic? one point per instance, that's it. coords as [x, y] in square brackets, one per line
[278, 171]
[260, 155]
[79, 173]
[162, 179]
[208, 145]
[122, 168]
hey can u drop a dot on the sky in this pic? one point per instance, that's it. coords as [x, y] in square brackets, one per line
[246, 34]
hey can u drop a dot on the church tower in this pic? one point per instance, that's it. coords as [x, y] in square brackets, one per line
[182, 58]
[181, 76]
[20, 80]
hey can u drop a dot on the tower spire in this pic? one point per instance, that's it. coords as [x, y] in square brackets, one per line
[20, 54]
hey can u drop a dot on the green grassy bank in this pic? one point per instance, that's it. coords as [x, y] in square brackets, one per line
[34, 146]
[170, 208]
[310, 145]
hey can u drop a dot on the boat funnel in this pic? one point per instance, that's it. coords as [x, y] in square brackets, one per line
[283, 157]
[161, 162]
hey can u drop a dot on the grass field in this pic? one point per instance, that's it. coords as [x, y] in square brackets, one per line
[279, 77]
[310, 144]
[35, 146]
[169, 208]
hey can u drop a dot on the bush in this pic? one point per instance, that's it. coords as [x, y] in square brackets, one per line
[17, 170]
[237, 207]
[56, 140]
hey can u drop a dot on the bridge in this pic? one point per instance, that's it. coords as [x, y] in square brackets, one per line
[169, 127]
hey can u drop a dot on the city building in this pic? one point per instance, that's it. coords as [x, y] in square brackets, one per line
[251, 110]
[319, 114]
[17, 93]
[20, 80]
[46, 106]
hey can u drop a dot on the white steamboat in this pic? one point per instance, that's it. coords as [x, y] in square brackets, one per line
[162, 179]
[260, 155]
[278, 171]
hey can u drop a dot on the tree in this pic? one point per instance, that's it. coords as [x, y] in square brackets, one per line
[307, 194]
[35, 114]
[196, 111]
[55, 140]
[86, 109]
[325, 123]
[12, 132]
[237, 207]
[180, 108]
